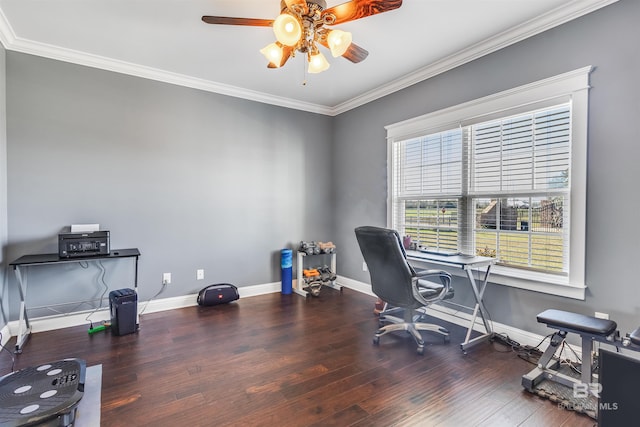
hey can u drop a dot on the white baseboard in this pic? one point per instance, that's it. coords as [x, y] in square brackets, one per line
[267, 288]
[6, 335]
[356, 285]
[49, 323]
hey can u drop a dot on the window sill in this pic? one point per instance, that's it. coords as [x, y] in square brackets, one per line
[527, 280]
[536, 282]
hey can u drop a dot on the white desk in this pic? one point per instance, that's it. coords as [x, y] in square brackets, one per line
[466, 263]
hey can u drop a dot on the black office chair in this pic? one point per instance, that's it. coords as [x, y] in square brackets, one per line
[402, 288]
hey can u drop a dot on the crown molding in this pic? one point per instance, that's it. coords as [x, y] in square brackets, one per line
[14, 43]
[554, 18]
[7, 36]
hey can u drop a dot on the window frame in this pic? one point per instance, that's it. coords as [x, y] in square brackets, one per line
[571, 87]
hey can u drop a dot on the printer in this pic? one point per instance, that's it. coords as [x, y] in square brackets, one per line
[83, 244]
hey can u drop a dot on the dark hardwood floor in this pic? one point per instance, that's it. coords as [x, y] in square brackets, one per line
[277, 360]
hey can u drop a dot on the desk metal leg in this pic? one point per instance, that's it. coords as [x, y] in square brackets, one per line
[24, 328]
[135, 287]
[478, 309]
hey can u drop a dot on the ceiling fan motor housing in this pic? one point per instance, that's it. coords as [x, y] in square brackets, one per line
[311, 4]
[311, 20]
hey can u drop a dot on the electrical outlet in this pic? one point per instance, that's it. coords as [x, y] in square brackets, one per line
[364, 266]
[199, 274]
[166, 278]
[602, 315]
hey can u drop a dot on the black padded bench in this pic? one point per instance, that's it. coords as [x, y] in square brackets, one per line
[578, 323]
[589, 328]
[558, 381]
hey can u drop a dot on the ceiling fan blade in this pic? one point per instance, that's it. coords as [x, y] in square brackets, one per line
[356, 9]
[286, 54]
[355, 53]
[225, 20]
[301, 5]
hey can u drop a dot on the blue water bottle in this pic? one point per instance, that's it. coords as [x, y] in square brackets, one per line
[286, 263]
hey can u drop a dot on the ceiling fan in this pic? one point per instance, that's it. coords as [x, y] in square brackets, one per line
[302, 26]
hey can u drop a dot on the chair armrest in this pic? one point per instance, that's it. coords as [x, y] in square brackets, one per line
[438, 290]
[430, 272]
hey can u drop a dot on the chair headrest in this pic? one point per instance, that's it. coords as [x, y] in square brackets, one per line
[391, 275]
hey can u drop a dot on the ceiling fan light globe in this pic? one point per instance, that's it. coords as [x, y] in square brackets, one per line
[318, 63]
[339, 41]
[287, 29]
[273, 53]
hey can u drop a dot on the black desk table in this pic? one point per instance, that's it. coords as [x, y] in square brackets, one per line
[466, 263]
[24, 328]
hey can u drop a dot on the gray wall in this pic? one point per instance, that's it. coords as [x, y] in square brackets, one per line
[607, 39]
[192, 179]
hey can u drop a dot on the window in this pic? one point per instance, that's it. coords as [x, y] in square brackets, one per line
[427, 187]
[503, 176]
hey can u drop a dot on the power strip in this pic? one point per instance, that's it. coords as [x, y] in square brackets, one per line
[506, 341]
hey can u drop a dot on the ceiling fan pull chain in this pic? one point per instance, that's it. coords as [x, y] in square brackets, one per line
[304, 74]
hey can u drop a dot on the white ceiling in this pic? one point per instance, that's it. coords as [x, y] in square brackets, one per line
[166, 40]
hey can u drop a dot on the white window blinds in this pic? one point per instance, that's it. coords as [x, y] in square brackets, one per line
[529, 153]
[515, 206]
[429, 166]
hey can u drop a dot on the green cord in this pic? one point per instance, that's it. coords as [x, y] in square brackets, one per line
[96, 329]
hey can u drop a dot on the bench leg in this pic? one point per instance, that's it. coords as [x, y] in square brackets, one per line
[545, 363]
[587, 348]
[547, 366]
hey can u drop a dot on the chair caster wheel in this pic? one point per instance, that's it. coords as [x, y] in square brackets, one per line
[420, 351]
[447, 339]
[376, 340]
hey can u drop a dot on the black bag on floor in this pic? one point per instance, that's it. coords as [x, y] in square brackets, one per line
[221, 293]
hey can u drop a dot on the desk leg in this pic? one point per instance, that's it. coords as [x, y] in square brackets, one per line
[135, 287]
[24, 328]
[478, 309]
